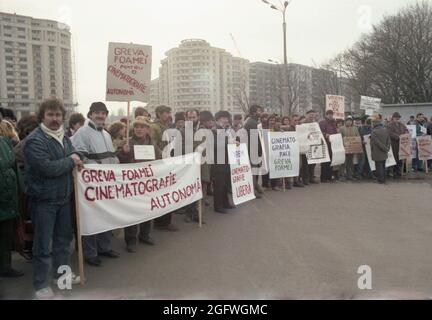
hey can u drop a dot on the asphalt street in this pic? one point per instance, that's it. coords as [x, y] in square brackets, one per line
[299, 244]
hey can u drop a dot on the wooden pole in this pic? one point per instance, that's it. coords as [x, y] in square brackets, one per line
[283, 183]
[80, 247]
[426, 166]
[200, 206]
[128, 122]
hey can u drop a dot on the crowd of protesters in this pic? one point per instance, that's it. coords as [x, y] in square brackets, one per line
[38, 156]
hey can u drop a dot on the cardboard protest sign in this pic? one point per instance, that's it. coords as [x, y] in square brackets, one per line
[413, 131]
[144, 152]
[424, 145]
[337, 105]
[338, 150]
[353, 145]
[391, 161]
[117, 196]
[284, 155]
[241, 174]
[370, 105]
[405, 143]
[312, 143]
[128, 72]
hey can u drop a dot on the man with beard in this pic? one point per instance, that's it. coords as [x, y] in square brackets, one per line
[96, 145]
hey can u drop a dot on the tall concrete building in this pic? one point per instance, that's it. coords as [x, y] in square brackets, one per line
[297, 89]
[281, 91]
[197, 75]
[35, 63]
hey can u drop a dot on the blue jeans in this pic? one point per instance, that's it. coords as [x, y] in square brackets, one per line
[99, 243]
[52, 239]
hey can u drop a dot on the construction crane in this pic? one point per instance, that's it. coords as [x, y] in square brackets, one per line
[243, 87]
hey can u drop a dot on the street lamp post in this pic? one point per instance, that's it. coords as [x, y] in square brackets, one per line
[283, 9]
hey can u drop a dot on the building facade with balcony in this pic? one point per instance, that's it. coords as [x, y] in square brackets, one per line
[35, 63]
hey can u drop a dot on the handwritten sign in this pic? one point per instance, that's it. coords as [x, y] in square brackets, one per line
[405, 144]
[284, 154]
[241, 174]
[129, 72]
[353, 145]
[424, 145]
[337, 105]
[144, 152]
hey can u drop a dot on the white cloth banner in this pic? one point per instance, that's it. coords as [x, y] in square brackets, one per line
[284, 155]
[117, 196]
[338, 150]
[312, 143]
[391, 161]
[241, 174]
[128, 72]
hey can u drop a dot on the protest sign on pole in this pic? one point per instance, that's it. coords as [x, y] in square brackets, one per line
[118, 196]
[405, 143]
[241, 174]
[424, 148]
[312, 143]
[353, 145]
[370, 105]
[338, 150]
[264, 169]
[79, 237]
[391, 161]
[337, 105]
[128, 74]
[284, 155]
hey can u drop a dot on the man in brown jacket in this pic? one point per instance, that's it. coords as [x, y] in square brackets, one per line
[396, 129]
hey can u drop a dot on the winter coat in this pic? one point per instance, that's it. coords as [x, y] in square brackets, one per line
[380, 143]
[48, 168]
[95, 145]
[8, 181]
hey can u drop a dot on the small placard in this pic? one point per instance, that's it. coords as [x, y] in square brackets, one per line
[146, 152]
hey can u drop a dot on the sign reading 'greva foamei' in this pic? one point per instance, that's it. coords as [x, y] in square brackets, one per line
[129, 72]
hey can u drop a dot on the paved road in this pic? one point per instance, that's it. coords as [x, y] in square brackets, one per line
[302, 244]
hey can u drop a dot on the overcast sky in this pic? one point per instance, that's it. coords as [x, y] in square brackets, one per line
[317, 29]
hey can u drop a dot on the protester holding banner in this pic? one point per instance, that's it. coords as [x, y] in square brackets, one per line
[159, 126]
[50, 159]
[396, 128]
[221, 168]
[207, 122]
[255, 113]
[328, 128]
[308, 170]
[140, 137]
[380, 147]
[349, 130]
[96, 145]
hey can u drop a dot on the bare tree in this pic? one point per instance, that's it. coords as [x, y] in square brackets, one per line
[394, 61]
